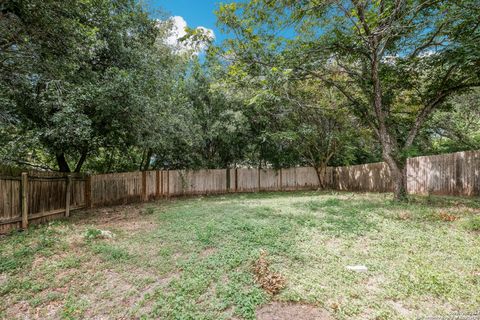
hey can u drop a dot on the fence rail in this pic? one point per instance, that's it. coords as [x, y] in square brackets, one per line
[35, 197]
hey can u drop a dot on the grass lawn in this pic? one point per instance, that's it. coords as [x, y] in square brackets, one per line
[193, 259]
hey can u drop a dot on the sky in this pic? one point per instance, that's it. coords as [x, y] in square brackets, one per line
[196, 13]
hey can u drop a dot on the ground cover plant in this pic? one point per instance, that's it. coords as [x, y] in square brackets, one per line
[196, 259]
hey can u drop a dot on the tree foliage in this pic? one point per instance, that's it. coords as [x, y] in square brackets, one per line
[97, 86]
[396, 62]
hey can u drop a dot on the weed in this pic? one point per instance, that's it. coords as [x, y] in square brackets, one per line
[332, 202]
[111, 253]
[473, 223]
[73, 308]
[149, 210]
[92, 233]
[205, 235]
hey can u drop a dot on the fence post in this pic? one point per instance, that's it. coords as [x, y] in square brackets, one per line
[157, 184]
[161, 184]
[228, 179]
[88, 192]
[295, 175]
[144, 186]
[236, 179]
[281, 180]
[168, 183]
[258, 179]
[67, 195]
[24, 187]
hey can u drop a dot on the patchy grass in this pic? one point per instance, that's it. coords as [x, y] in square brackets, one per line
[193, 258]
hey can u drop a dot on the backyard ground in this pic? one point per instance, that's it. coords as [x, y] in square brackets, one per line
[194, 259]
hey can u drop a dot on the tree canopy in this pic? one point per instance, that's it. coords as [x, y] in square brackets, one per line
[396, 62]
[96, 86]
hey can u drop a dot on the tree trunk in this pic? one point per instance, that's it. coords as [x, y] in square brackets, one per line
[320, 170]
[146, 166]
[398, 172]
[389, 144]
[62, 162]
[81, 161]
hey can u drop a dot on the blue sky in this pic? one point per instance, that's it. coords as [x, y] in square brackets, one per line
[195, 12]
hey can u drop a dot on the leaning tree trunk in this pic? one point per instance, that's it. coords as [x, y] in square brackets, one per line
[81, 161]
[397, 166]
[319, 176]
[62, 162]
[321, 173]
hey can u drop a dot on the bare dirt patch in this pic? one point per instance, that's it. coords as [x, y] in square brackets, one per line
[288, 311]
[208, 252]
[3, 279]
[122, 217]
[400, 308]
[374, 284]
[404, 215]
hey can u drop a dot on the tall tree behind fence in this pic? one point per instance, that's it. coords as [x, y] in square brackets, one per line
[34, 197]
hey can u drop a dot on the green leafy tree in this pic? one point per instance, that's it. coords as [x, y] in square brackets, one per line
[218, 119]
[322, 127]
[83, 75]
[395, 61]
[456, 128]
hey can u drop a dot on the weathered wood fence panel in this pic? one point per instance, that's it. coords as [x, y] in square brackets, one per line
[45, 194]
[116, 188]
[45, 198]
[448, 174]
[10, 204]
[269, 179]
[289, 179]
[150, 185]
[190, 182]
[247, 179]
[306, 178]
[372, 177]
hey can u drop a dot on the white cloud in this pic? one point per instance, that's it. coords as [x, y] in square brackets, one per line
[178, 31]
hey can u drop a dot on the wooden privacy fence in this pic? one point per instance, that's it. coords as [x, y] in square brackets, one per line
[118, 188]
[448, 174]
[35, 197]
